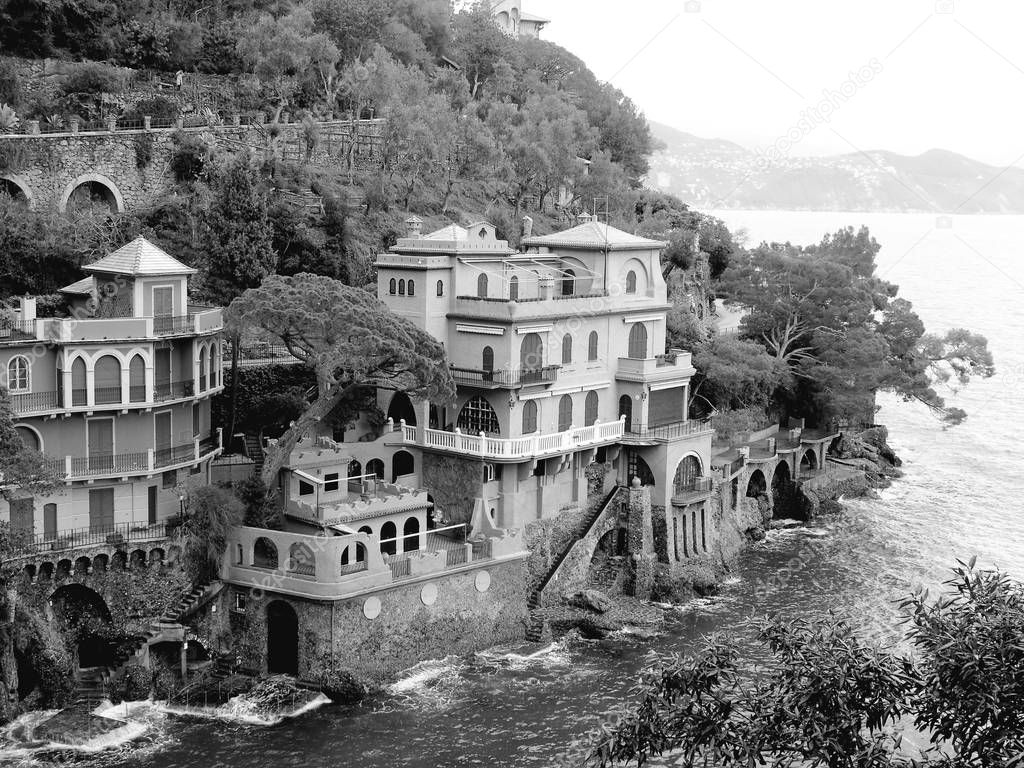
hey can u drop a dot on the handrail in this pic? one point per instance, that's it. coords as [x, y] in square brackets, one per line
[507, 377]
[76, 538]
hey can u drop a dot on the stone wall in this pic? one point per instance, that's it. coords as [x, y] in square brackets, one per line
[135, 165]
[452, 614]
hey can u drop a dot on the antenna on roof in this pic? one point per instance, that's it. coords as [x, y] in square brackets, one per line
[601, 209]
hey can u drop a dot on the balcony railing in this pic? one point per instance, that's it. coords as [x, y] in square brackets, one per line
[692, 489]
[134, 462]
[17, 330]
[670, 431]
[451, 541]
[29, 402]
[512, 378]
[516, 447]
[116, 534]
[170, 324]
[173, 390]
[107, 395]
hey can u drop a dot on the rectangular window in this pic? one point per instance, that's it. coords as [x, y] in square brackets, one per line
[163, 301]
[151, 504]
[666, 406]
[101, 510]
[703, 531]
[331, 482]
[305, 489]
[169, 478]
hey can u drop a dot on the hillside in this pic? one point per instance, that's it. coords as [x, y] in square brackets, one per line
[720, 174]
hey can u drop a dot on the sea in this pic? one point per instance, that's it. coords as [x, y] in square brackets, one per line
[960, 497]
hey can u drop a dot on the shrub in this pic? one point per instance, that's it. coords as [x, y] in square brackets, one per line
[189, 157]
[10, 84]
[155, 106]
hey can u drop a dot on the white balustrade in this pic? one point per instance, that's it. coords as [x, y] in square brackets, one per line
[516, 447]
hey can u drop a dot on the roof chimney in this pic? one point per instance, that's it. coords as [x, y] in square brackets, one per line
[586, 218]
[527, 226]
[413, 226]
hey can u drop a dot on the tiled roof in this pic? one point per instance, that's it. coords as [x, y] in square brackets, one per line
[139, 257]
[593, 234]
[524, 16]
[83, 286]
[451, 232]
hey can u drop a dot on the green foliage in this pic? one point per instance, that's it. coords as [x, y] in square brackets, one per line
[10, 83]
[210, 513]
[268, 399]
[190, 156]
[154, 106]
[826, 698]
[143, 150]
[735, 374]
[23, 470]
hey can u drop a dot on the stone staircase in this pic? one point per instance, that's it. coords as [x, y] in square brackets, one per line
[254, 450]
[535, 630]
[93, 681]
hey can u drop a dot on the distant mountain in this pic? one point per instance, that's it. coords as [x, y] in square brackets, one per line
[714, 173]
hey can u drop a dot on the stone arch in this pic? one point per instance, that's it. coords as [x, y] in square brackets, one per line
[173, 554]
[809, 461]
[17, 187]
[400, 408]
[353, 557]
[402, 463]
[282, 638]
[82, 612]
[45, 573]
[639, 468]
[410, 535]
[156, 556]
[100, 563]
[114, 197]
[82, 566]
[757, 486]
[118, 561]
[30, 572]
[782, 480]
[64, 567]
[264, 553]
[137, 559]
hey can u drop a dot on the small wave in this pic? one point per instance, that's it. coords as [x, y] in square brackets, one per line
[555, 654]
[243, 710]
[430, 683]
[18, 741]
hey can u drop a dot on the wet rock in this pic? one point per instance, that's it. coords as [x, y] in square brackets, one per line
[755, 533]
[785, 524]
[341, 687]
[591, 599]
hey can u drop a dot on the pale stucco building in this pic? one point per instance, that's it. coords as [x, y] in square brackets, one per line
[514, 21]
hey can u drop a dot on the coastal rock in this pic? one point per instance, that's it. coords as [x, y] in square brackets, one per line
[341, 687]
[591, 599]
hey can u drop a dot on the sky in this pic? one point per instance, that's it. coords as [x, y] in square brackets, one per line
[835, 75]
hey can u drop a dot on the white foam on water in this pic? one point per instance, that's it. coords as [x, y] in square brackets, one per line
[19, 741]
[433, 682]
[243, 710]
[555, 654]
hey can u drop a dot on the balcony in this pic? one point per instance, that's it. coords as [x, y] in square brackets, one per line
[67, 330]
[37, 403]
[693, 491]
[33, 402]
[42, 544]
[17, 331]
[664, 432]
[506, 378]
[513, 448]
[114, 465]
[674, 365]
[173, 390]
[506, 310]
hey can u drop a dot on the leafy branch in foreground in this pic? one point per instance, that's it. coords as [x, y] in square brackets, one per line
[827, 698]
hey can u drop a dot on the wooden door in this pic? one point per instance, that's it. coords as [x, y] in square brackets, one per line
[101, 445]
[101, 510]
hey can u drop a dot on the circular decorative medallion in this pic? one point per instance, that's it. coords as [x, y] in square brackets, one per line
[428, 595]
[371, 608]
[483, 581]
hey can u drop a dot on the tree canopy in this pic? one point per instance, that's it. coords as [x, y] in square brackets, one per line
[841, 332]
[348, 337]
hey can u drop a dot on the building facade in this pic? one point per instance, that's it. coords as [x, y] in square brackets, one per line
[559, 355]
[514, 21]
[116, 395]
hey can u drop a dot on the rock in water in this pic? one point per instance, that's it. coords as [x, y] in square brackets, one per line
[591, 599]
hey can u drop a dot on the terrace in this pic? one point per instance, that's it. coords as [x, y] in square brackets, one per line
[115, 465]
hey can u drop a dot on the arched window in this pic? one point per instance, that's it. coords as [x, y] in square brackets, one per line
[375, 467]
[393, 286]
[108, 380]
[529, 417]
[78, 393]
[513, 288]
[137, 380]
[592, 346]
[564, 413]
[29, 438]
[566, 349]
[440, 287]
[638, 342]
[531, 353]
[488, 359]
[631, 282]
[355, 469]
[18, 379]
[481, 286]
[301, 560]
[401, 409]
[568, 283]
[202, 369]
[412, 288]
[626, 409]
[411, 535]
[687, 472]
[388, 534]
[402, 463]
[264, 553]
[590, 408]
[478, 416]
[401, 287]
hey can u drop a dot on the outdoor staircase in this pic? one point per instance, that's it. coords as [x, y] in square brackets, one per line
[254, 450]
[93, 681]
[535, 630]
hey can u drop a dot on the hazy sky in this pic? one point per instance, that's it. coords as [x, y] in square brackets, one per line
[946, 73]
